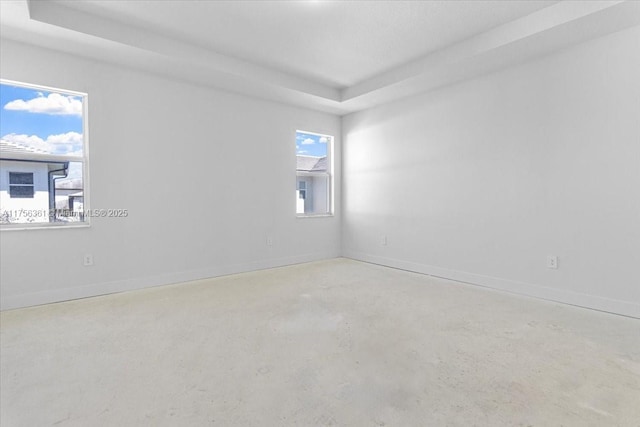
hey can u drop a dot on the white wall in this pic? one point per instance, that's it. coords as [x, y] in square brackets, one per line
[482, 180]
[182, 159]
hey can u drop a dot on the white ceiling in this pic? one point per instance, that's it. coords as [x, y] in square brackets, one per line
[335, 56]
[339, 43]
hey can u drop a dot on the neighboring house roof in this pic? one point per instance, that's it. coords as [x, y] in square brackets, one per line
[321, 165]
[12, 147]
[311, 163]
[14, 151]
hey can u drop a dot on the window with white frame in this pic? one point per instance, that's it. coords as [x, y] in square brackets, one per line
[43, 156]
[314, 178]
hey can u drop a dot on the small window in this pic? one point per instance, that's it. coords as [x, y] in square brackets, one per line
[43, 156]
[302, 190]
[21, 185]
[314, 165]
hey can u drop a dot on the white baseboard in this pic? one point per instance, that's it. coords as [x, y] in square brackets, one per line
[96, 289]
[625, 308]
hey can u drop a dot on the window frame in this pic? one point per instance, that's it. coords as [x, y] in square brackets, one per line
[329, 174]
[86, 222]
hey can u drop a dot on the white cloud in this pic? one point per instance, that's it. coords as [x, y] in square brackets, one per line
[65, 138]
[54, 104]
[302, 151]
[323, 140]
[308, 141]
[68, 144]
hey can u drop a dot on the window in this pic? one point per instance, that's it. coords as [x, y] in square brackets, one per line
[314, 179]
[21, 185]
[302, 190]
[43, 156]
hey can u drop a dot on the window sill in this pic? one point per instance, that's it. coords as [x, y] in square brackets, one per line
[314, 215]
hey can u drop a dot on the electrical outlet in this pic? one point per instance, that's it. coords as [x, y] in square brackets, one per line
[552, 261]
[88, 260]
[383, 241]
[269, 241]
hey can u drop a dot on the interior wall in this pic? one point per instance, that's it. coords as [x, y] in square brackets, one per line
[206, 176]
[482, 180]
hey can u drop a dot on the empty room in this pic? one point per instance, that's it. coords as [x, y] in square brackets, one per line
[319, 213]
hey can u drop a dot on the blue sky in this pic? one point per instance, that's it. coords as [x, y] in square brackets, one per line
[308, 144]
[48, 121]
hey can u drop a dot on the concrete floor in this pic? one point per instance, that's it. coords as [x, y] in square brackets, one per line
[328, 343]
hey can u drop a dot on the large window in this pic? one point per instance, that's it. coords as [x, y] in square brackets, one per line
[43, 156]
[314, 178]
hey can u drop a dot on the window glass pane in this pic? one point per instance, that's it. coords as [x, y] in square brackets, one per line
[21, 191]
[311, 152]
[69, 194]
[313, 167]
[20, 178]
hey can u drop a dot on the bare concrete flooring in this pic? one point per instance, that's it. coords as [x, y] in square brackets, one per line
[328, 343]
